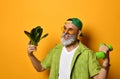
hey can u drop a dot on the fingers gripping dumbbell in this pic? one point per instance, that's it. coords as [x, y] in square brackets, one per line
[101, 54]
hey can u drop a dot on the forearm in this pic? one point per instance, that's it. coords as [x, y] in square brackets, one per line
[105, 68]
[36, 63]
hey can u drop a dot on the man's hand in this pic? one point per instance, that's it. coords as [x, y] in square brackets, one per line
[31, 49]
[105, 49]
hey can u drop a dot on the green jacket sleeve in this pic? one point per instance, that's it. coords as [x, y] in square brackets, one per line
[47, 61]
[94, 66]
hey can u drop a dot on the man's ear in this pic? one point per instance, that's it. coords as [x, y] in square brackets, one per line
[79, 34]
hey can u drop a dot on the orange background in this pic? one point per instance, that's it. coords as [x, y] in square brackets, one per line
[101, 23]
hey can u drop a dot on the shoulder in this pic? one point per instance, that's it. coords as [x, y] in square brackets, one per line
[58, 46]
[84, 49]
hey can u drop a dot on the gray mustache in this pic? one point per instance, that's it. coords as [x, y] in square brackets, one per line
[65, 34]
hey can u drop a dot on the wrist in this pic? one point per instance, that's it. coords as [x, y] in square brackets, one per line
[106, 66]
[106, 63]
[30, 54]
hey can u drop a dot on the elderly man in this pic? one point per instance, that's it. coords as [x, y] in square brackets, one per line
[71, 59]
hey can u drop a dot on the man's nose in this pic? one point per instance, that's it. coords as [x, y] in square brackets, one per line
[66, 31]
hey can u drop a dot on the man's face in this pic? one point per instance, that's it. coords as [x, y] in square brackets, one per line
[70, 33]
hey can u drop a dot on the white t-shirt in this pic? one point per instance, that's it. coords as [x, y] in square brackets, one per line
[65, 63]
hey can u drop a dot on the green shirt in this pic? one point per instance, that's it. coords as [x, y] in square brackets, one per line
[84, 63]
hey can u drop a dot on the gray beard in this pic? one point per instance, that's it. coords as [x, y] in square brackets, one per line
[69, 41]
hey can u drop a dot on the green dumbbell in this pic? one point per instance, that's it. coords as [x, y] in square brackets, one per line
[101, 54]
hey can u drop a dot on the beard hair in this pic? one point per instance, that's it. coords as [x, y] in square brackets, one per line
[71, 40]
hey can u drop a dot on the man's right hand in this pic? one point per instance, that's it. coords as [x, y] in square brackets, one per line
[31, 49]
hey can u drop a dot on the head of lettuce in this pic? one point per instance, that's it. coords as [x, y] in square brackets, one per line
[35, 35]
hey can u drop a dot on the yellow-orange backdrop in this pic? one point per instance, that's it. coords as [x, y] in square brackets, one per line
[101, 21]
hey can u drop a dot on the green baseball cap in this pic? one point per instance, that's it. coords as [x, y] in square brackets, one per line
[76, 22]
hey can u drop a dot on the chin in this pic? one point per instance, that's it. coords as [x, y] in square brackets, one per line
[67, 42]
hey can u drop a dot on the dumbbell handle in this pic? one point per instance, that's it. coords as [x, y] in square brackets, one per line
[108, 45]
[101, 54]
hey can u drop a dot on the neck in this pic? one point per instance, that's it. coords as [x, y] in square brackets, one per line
[72, 46]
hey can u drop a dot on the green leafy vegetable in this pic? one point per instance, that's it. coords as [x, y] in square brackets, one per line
[35, 35]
